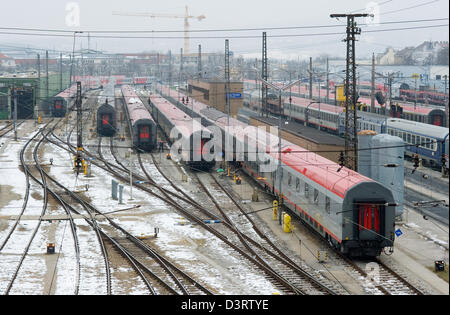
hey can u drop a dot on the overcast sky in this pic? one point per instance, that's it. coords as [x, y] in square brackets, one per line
[96, 15]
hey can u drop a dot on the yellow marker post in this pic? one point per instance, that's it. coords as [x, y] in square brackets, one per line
[287, 223]
[275, 210]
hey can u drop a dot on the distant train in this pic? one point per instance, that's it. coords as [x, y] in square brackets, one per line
[429, 142]
[141, 124]
[61, 102]
[106, 113]
[172, 119]
[106, 120]
[405, 93]
[425, 114]
[332, 119]
[353, 213]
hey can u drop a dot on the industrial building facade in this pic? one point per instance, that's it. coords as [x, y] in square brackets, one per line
[212, 93]
[33, 94]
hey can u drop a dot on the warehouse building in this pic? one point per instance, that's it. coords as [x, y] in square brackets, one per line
[212, 93]
[33, 94]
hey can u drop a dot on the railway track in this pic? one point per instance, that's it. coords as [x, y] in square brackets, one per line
[167, 197]
[160, 281]
[158, 273]
[47, 191]
[8, 128]
[262, 247]
[246, 244]
[385, 280]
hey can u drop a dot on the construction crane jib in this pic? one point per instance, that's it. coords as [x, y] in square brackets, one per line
[186, 18]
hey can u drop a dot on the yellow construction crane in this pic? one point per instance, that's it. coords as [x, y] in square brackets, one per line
[186, 18]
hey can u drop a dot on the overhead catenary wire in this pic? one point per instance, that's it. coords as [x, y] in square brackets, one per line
[223, 37]
[213, 30]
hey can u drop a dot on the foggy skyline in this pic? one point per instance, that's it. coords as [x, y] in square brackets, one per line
[95, 16]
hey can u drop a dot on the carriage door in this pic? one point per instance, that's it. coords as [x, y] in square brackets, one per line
[370, 221]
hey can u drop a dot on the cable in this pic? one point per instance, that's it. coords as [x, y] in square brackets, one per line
[412, 7]
[224, 37]
[211, 30]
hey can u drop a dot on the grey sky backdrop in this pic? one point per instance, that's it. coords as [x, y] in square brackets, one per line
[97, 16]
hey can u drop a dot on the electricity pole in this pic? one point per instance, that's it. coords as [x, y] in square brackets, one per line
[199, 62]
[60, 73]
[79, 158]
[446, 122]
[264, 76]
[170, 68]
[328, 82]
[14, 97]
[310, 79]
[372, 95]
[47, 94]
[351, 115]
[227, 92]
[38, 96]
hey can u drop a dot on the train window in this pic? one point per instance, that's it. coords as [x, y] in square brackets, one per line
[404, 136]
[428, 144]
[408, 140]
[316, 196]
[290, 180]
[327, 204]
[413, 139]
[316, 225]
[297, 185]
[306, 190]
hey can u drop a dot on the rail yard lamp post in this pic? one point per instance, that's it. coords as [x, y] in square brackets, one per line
[73, 55]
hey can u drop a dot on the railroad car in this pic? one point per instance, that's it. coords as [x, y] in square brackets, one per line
[61, 102]
[420, 96]
[106, 120]
[429, 142]
[171, 119]
[352, 212]
[332, 119]
[141, 124]
[433, 115]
